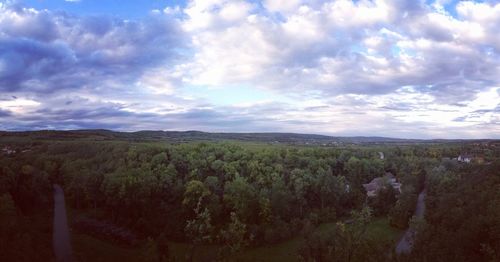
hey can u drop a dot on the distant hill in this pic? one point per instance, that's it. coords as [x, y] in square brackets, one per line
[182, 136]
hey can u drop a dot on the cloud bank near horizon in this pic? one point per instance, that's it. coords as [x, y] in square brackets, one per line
[411, 69]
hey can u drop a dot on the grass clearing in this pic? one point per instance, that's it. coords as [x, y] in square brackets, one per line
[88, 248]
[381, 230]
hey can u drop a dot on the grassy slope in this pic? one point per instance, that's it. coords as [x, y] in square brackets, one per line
[380, 229]
[87, 248]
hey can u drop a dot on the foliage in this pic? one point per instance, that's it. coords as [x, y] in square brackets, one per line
[233, 237]
[462, 220]
[237, 194]
[346, 242]
[400, 214]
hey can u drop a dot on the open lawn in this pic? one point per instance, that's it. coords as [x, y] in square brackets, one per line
[380, 229]
[88, 248]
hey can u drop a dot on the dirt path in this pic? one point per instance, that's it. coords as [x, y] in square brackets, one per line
[61, 238]
[405, 244]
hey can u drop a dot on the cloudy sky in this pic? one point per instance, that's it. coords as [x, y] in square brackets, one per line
[397, 68]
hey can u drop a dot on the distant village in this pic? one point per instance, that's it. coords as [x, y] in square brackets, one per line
[8, 150]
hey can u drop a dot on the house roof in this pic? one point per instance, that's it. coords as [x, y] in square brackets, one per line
[370, 186]
[379, 182]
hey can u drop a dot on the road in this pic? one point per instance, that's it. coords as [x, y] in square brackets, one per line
[405, 244]
[61, 239]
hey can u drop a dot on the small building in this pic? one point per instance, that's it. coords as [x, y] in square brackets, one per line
[381, 155]
[8, 150]
[347, 188]
[371, 189]
[378, 183]
[464, 158]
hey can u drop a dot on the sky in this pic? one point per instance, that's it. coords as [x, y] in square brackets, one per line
[393, 68]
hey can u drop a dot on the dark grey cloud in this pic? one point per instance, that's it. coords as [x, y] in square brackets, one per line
[4, 113]
[44, 51]
[493, 110]
[475, 116]
[399, 107]
[116, 118]
[39, 25]
[26, 60]
[82, 117]
[460, 119]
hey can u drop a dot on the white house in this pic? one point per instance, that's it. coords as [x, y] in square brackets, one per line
[8, 151]
[464, 158]
[381, 155]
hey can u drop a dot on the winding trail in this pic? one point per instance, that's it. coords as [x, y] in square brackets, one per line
[405, 244]
[61, 238]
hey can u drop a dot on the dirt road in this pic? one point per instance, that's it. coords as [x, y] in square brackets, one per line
[61, 237]
[405, 244]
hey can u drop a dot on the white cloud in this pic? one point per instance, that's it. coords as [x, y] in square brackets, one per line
[283, 6]
[19, 105]
[345, 13]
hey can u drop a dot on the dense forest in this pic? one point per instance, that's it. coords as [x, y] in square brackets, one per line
[232, 196]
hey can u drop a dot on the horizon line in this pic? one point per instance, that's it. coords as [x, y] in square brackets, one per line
[244, 132]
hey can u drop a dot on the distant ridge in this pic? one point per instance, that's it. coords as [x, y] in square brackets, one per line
[192, 135]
